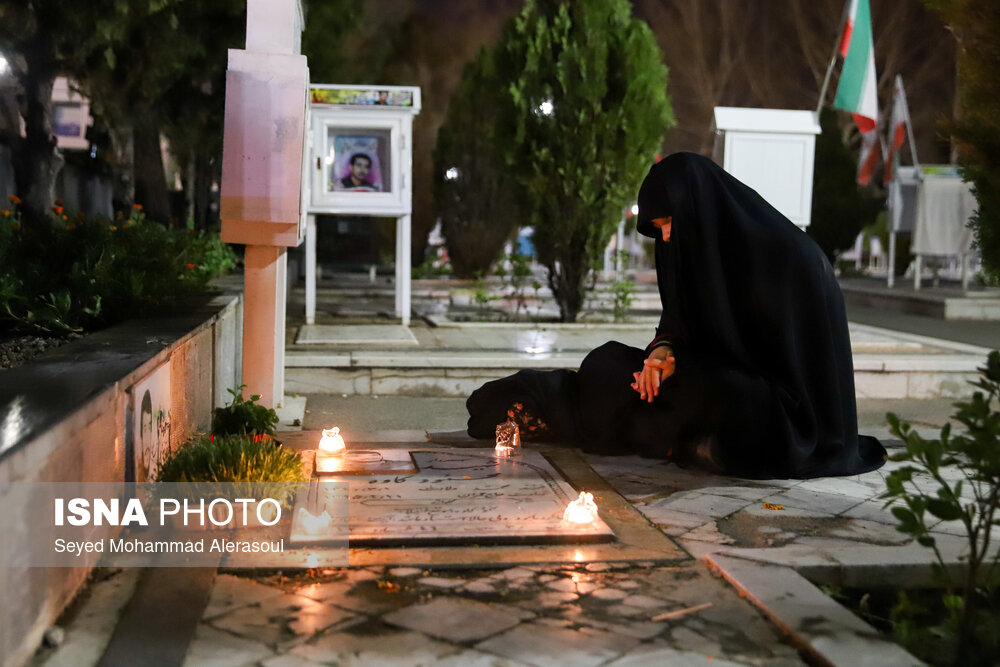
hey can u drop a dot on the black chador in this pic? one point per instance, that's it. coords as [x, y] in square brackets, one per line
[763, 381]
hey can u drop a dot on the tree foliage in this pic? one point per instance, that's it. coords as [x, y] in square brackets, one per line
[840, 209]
[472, 191]
[586, 110]
[976, 128]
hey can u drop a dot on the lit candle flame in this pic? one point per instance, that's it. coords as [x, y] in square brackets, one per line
[332, 442]
[581, 511]
[310, 524]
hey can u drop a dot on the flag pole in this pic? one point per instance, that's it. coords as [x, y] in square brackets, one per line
[909, 124]
[833, 57]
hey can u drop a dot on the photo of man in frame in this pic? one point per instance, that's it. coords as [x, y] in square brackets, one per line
[356, 166]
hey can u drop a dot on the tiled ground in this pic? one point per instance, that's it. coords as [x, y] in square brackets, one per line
[574, 615]
[587, 614]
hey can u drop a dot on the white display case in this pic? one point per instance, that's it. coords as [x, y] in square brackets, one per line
[360, 163]
[772, 151]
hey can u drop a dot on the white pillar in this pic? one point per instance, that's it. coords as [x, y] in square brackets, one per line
[403, 269]
[917, 268]
[891, 279]
[310, 269]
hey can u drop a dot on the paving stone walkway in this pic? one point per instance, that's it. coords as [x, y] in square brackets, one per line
[580, 615]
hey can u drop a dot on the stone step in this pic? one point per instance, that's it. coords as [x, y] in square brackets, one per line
[946, 304]
[453, 359]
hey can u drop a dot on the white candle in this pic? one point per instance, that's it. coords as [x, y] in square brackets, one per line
[310, 524]
[332, 443]
[581, 511]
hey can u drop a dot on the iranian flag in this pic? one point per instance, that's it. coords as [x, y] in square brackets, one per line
[869, 158]
[897, 127]
[856, 91]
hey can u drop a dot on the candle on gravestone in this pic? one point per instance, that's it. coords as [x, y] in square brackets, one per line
[581, 511]
[508, 439]
[311, 525]
[332, 443]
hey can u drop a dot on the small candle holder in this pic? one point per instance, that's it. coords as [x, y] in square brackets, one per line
[581, 511]
[508, 440]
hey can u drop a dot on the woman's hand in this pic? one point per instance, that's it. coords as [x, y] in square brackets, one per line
[655, 369]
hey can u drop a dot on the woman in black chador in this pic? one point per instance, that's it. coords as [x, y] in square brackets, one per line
[750, 373]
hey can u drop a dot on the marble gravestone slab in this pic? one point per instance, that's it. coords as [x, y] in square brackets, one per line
[460, 496]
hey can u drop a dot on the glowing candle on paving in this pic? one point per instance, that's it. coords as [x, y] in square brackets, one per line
[581, 511]
[309, 527]
[311, 524]
[332, 443]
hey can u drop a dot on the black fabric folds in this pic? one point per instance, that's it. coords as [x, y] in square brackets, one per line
[759, 331]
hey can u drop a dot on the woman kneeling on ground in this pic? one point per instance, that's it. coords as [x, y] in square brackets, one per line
[750, 373]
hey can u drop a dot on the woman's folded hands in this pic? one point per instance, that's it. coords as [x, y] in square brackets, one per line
[655, 369]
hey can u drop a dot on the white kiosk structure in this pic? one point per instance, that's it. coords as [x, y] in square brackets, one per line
[772, 151]
[360, 163]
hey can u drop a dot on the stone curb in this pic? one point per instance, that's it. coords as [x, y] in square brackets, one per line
[830, 634]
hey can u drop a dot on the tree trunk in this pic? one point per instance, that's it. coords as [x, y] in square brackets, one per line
[205, 176]
[566, 283]
[150, 176]
[123, 175]
[38, 160]
[190, 181]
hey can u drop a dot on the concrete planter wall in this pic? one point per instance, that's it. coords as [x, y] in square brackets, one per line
[68, 417]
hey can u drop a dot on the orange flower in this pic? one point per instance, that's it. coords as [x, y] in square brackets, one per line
[57, 209]
[59, 202]
[5, 212]
[137, 207]
[14, 199]
[69, 228]
[190, 266]
[113, 228]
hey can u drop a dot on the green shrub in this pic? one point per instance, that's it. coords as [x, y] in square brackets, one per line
[258, 464]
[583, 112]
[623, 292]
[520, 271]
[920, 495]
[87, 273]
[243, 417]
[473, 194]
[840, 208]
[975, 130]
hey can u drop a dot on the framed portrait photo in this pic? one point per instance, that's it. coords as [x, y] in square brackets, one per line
[360, 161]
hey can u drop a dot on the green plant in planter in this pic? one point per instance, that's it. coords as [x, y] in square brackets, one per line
[263, 466]
[919, 492]
[243, 416]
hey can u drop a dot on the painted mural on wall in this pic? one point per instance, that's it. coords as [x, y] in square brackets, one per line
[151, 427]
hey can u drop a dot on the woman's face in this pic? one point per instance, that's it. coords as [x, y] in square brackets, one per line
[663, 224]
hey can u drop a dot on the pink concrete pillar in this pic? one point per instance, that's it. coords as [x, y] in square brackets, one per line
[264, 322]
[263, 146]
